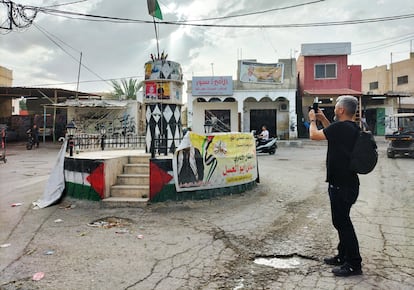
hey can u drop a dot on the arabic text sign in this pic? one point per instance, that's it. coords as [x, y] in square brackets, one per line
[214, 161]
[212, 86]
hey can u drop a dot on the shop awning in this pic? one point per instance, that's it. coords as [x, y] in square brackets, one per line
[331, 92]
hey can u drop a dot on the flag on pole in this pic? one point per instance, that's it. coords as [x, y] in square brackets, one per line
[154, 9]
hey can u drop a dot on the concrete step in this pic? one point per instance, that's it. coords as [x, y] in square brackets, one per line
[136, 168]
[133, 179]
[137, 191]
[115, 202]
[139, 159]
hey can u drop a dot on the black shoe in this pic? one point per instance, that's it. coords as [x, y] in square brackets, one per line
[346, 270]
[334, 261]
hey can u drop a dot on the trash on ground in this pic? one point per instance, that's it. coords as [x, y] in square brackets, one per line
[58, 221]
[122, 231]
[5, 245]
[110, 222]
[67, 206]
[38, 276]
[140, 236]
[16, 204]
[279, 263]
[49, 252]
[99, 224]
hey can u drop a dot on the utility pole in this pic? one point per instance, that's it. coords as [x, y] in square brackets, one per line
[392, 75]
[77, 85]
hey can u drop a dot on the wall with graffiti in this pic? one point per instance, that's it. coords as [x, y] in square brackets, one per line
[117, 120]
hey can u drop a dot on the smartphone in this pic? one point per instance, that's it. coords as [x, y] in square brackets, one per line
[315, 105]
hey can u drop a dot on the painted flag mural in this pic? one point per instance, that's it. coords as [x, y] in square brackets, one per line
[214, 161]
[85, 178]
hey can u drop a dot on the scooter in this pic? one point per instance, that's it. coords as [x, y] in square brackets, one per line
[266, 146]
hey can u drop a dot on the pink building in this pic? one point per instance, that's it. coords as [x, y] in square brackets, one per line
[323, 72]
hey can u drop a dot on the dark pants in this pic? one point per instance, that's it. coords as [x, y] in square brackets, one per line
[342, 199]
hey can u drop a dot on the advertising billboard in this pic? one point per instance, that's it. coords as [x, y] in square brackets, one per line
[254, 72]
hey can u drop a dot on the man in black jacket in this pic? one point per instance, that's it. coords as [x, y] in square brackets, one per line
[343, 183]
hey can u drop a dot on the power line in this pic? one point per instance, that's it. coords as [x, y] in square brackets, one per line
[68, 3]
[381, 46]
[88, 81]
[49, 36]
[88, 17]
[252, 13]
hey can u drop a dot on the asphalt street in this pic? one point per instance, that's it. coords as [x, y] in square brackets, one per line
[272, 237]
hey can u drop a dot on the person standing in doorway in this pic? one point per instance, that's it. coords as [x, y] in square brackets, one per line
[343, 184]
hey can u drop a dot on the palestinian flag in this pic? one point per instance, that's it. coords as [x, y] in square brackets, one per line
[85, 178]
[154, 9]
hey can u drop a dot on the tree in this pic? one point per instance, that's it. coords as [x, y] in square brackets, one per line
[126, 89]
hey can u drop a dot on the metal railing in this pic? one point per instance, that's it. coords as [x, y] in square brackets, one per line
[94, 142]
[160, 146]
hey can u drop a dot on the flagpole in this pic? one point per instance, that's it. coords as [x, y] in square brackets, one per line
[156, 36]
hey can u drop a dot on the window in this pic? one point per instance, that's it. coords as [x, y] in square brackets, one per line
[373, 85]
[325, 71]
[402, 80]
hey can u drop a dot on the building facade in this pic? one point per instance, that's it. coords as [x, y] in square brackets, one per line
[6, 79]
[323, 75]
[391, 88]
[262, 94]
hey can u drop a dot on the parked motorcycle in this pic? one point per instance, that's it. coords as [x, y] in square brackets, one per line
[265, 146]
[30, 140]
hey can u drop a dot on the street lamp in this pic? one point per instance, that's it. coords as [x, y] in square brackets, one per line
[71, 130]
[103, 136]
[208, 126]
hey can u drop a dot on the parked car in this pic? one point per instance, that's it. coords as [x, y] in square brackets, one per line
[402, 140]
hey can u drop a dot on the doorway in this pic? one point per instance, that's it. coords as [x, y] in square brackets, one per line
[258, 118]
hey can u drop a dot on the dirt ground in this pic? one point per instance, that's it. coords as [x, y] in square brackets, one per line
[222, 243]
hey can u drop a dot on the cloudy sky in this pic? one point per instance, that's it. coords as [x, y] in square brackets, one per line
[47, 52]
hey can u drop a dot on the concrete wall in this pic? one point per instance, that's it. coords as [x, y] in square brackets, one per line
[6, 77]
[387, 78]
[376, 74]
[113, 167]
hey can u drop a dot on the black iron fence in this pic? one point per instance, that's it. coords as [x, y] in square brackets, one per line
[93, 142]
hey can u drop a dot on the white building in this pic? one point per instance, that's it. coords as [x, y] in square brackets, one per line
[263, 94]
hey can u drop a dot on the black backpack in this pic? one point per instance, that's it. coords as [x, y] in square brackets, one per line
[364, 155]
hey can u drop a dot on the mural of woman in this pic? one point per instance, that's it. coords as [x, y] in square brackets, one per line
[190, 167]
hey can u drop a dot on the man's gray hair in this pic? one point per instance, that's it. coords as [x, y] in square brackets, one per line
[349, 103]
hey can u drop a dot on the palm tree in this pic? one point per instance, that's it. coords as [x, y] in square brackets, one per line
[127, 89]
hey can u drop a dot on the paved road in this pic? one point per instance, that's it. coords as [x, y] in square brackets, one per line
[212, 244]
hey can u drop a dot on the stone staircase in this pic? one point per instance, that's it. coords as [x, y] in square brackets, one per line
[132, 186]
